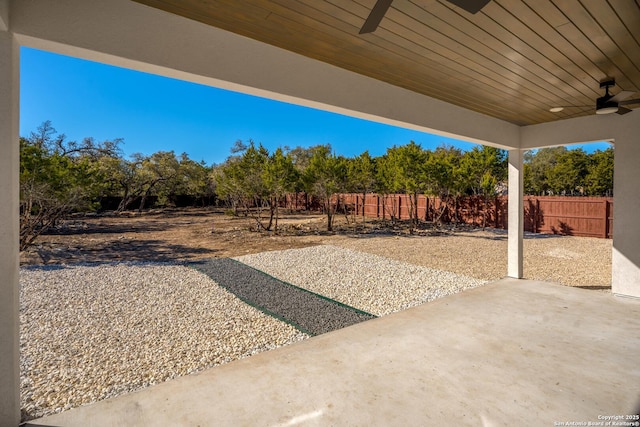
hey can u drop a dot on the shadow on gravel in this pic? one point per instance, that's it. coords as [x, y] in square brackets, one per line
[123, 250]
[309, 312]
[72, 228]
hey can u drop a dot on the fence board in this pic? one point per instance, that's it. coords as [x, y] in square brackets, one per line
[576, 216]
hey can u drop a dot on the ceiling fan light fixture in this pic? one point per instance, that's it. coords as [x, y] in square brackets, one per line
[607, 104]
[607, 110]
[604, 105]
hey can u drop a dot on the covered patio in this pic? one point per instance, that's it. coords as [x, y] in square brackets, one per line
[512, 352]
[488, 78]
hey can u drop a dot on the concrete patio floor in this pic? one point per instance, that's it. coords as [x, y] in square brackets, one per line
[514, 352]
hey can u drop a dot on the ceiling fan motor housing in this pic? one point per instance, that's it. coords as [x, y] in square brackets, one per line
[607, 83]
[605, 106]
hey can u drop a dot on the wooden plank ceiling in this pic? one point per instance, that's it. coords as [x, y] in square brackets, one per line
[513, 60]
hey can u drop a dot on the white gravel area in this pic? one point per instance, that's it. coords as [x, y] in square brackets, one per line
[368, 282]
[93, 332]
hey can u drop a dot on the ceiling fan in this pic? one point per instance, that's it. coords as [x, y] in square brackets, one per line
[608, 103]
[381, 7]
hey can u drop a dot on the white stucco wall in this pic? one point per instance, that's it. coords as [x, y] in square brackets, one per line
[626, 211]
[4, 15]
[9, 287]
[515, 247]
[573, 131]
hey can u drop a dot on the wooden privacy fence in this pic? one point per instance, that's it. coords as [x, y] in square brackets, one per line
[575, 216]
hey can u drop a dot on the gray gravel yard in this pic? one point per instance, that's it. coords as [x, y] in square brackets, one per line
[90, 332]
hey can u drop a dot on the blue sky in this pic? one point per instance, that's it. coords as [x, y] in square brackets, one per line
[152, 113]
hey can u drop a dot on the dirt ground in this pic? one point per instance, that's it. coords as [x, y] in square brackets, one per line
[179, 235]
[190, 234]
[163, 235]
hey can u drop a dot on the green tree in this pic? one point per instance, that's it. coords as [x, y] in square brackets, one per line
[257, 181]
[411, 176]
[362, 176]
[559, 170]
[125, 175]
[280, 177]
[252, 166]
[386, 171]
[56, 178]
[227, 179]
[301, 156]
[481, 170]
[325, 177]
[245, 180]
[191, 179]
[446, 179]
[567, 176]
[155, 175]
[537, 168]
[599, 179]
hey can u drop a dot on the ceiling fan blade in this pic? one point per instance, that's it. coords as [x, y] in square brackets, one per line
[471, 6]
[630, 102]
[578, 114]
[376, 15]
[623, 110]
[621, 96]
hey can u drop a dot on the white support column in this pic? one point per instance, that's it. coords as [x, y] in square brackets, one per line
[516, 216]
[625, 280]
[9, 231]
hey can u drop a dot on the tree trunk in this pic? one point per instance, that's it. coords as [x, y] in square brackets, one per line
[327, 206]
[277, 212]
[124, 201]
[143, 199]
[484, 212]
[445, 205]
[414, 209]
[272, 209]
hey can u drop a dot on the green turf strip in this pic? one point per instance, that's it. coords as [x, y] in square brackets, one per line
[307, 311]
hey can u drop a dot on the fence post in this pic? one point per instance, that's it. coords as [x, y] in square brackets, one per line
[536, 216]
[426, 208]
[606, 218]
